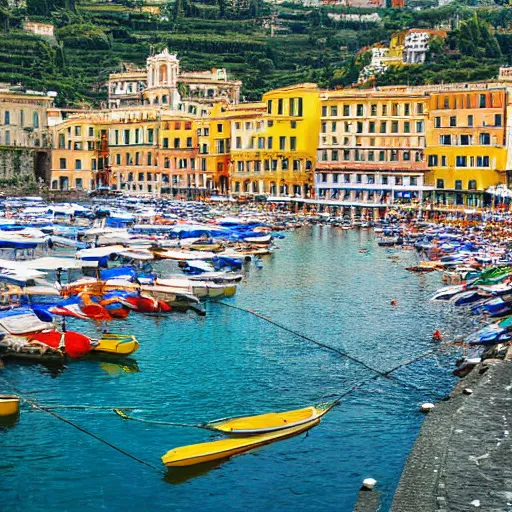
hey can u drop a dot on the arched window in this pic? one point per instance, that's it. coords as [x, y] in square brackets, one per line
[36, 119]
[155, 101]
[472, 185]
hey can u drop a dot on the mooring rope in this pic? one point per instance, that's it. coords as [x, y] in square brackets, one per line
[81, 429]
[385, 374]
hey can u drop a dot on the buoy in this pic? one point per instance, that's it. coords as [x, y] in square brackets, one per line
[369, 483]
[394, 302]
[427, 407]
[437, 336]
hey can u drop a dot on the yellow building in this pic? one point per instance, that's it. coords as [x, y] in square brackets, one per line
[466, 142]
[274, 152]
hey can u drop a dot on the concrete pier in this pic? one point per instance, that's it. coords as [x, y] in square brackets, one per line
[461, 459]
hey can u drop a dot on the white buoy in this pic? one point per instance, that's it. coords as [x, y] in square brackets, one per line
[468, 391]
[427, 407]
[369, 483]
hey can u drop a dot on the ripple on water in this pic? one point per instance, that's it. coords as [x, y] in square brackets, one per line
[196, 369]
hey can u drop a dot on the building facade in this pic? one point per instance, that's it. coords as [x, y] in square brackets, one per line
[371, 150]
[162, 84]
[274, 152]
[467, 141]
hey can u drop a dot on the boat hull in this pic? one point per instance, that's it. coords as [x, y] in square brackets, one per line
[9, 405]
[223, 449]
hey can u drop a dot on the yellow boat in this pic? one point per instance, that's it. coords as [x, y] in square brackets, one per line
[271, 422]
[118, 344]
[9, 405]
[215, 450]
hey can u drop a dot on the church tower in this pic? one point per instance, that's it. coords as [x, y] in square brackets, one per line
[162, 83]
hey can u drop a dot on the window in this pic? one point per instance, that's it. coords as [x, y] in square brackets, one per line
[282, 143]
[293, 143]
[280, 107]
[346, 110]
[407, 127]
[189, 142]
[284, 164]
[419, 127]
[406, 156]
[62, 141]
[461, 161]
[360, 110]
[269, 106]
[394, 127]
[300, 106]
[445, 140]
[7, 117]
[94, 164]
[359, 127]
[432, 160]
[334, 155]
[482, 102]
[485, 139]
[458, 184]
[335, 178]
[261, 143]
[35, 120]
[359, 178]
[150, 133]
[165, 142]
[150, 159]
[465, 140]
[62, 163]
[238, 142]
[482, 161]
[440, 184]
[498, 120]
[371, 156]
[453, 121]
[22, 117]
[419, 108]
[219, 128]
[270, 141]
[324, 127]
[383, 127]
[127, 136]
[470, 121]
[78, 129]
[176, 143]
[325, 157]
[346, 154]
[334, 111]
[394, 109]
[385, 180]
[384, 110]
[407, 109]
[324, 177]
[373, 110]
[444, 161]
[371, 128]
[78, 184]
[382, 156]
[118, 159]
[394, 155]
[437, 122]
[413, 181]
[333, 126]
[91, 131]
[472, 185]
[293, 124]
[324, 111]
[78, 165]
[446, 102]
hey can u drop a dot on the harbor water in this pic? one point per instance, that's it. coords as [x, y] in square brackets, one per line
[193, 369]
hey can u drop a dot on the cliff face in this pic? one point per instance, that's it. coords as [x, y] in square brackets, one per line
[461, 459]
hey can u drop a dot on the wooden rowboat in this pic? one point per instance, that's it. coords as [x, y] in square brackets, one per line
[270, 422]
[9, 405]
[216, 450]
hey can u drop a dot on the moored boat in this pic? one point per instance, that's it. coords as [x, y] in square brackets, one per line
[225, 448]
[9, 405]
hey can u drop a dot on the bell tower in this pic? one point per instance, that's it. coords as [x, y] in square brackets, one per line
[162, 83]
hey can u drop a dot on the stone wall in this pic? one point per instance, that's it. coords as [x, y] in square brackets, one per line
[22, 167]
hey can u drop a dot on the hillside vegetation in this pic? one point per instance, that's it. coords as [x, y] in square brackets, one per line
[94, 39]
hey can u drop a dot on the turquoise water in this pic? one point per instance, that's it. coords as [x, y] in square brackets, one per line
[194, 369]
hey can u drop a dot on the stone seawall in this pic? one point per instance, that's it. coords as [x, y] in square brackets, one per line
[461, 460]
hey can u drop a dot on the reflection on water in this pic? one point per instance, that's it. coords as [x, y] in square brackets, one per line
[231, 363]
[177, 476]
